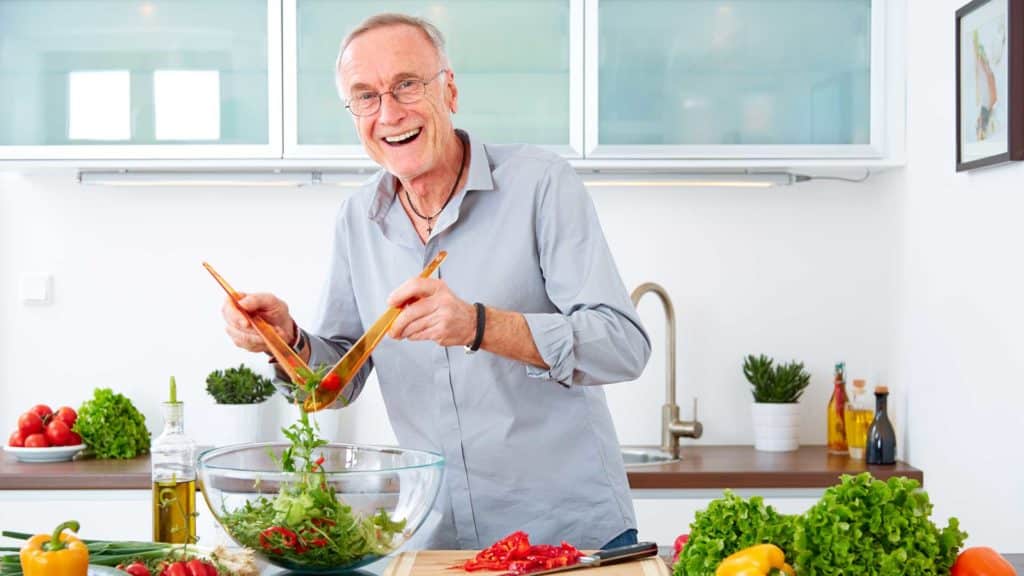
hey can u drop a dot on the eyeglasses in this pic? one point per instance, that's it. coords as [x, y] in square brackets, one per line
[408, 91]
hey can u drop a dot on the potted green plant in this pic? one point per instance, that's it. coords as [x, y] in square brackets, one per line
[776, 390]
[240, 414]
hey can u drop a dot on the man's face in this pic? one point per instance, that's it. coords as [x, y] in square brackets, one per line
[406, 139]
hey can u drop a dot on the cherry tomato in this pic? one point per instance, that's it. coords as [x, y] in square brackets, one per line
[37, 440]
[58, 433]
[197, 567]
[135, 569]
[67, 414]
[43, 411]
[16, 439]
[177, 569]
[29, 423]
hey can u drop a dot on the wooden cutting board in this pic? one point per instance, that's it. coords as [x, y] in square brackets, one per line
[439, 563]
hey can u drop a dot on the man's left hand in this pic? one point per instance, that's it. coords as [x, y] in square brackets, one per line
[434, 313]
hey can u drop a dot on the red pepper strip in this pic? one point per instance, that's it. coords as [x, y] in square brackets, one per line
[276, 538]
[319, 461]
[514, 554]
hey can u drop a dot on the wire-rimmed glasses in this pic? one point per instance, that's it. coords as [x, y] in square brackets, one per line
[408, 91]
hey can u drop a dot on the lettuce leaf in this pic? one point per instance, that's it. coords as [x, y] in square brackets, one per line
[730, 524]
[867, 526]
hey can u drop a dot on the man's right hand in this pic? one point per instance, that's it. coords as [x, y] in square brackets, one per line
[266, 306]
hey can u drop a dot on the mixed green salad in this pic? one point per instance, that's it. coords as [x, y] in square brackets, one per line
[306, 523]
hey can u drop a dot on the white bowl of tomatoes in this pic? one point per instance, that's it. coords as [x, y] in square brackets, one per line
[45, 436]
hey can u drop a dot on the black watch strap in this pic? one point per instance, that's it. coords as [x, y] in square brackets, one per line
[481, 321]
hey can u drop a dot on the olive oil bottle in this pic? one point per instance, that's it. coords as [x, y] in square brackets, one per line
[174, 477]
[837, 413]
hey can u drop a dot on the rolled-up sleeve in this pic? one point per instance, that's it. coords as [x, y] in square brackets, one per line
[596, 337]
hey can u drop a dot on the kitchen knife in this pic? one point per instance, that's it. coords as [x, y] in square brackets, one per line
[601, 558]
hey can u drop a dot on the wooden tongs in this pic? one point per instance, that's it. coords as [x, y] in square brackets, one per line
[338, 377]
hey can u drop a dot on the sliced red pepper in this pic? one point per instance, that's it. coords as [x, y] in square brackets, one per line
[515, 554]
[278, 538]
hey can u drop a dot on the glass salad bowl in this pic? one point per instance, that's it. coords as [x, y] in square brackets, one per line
[350, 506]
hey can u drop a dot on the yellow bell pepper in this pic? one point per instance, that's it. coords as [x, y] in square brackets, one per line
[757, 560]
[56, 554]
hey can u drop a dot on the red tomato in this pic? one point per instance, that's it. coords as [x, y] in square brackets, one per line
[75, 438]
[58, 433]
[677, 546]
[29, 423]
[135, 569]
[43, 411]
[37, 440]
[16, 439]
[177, 569]
[981, 561]
[197, 567]
[67, 414]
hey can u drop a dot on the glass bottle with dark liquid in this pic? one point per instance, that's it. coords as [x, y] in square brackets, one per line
[174, 478]
[881, 448]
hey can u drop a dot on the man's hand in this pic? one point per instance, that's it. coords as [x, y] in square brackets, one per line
[433, 313]
[266, 306]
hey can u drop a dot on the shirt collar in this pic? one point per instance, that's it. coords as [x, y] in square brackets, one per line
[479, 178]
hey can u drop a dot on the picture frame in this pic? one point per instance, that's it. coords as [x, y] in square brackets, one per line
[989, 83]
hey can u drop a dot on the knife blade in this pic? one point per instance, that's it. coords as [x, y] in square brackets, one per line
[601, 558]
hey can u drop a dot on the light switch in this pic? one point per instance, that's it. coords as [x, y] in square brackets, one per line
[36, 288]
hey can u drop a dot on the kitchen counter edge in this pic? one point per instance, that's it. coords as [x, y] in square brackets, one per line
[700, 467]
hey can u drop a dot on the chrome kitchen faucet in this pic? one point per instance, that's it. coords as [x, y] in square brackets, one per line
[672, 428]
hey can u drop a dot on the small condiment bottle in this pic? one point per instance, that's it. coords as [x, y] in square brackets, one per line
[837, 413]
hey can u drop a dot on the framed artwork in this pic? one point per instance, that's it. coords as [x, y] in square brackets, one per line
[989, 83]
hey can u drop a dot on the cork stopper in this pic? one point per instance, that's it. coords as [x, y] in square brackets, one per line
[858, 383]
[881, 389]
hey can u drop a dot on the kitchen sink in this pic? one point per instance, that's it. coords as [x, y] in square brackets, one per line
[636, 456]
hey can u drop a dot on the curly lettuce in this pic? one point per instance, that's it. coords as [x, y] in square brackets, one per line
[730, 524]
[867, 526]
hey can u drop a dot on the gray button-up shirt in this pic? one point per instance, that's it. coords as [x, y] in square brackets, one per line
[525, 448]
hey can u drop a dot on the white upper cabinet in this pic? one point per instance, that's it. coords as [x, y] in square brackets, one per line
[606, 83]
[733, 79]
[128, 79]
[518, 65]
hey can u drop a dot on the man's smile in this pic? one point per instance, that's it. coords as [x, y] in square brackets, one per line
[403, 138]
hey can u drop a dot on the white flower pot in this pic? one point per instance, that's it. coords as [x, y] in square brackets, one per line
[240, 423]
[776, 427]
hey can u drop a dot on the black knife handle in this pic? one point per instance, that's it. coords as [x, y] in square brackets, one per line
[624, 553]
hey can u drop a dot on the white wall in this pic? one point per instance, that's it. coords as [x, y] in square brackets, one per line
[798, 273]
[960, 311]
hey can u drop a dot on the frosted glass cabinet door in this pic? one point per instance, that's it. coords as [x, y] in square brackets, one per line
[513, 64]
[139, 79]
[742, 78]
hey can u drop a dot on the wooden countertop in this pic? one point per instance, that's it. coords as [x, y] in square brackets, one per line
[744, 467]
[701, 467]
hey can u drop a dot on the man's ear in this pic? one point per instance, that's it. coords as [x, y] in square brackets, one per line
[452, 93]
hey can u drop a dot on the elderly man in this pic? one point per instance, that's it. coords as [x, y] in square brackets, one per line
[495, 362]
